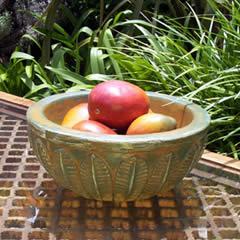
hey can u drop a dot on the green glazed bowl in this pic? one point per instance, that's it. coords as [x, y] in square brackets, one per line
[117, 167]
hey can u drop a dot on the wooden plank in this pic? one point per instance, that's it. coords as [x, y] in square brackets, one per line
[209, 159]
[13, 114]
[216, 178]
[221, 160]
[15, 99]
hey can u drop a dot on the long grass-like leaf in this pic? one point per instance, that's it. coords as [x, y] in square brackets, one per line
[69, 76]
[22, 56]
[109, 42]
[96, 60]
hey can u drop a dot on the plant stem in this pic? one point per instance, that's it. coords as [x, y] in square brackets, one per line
[115, 9]
[156, 8]
[46, 47]
[101, 11]
[137, 10]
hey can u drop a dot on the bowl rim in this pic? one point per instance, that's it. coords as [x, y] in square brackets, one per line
[36, 118]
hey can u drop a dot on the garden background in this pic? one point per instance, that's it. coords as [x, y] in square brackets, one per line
[189, 49]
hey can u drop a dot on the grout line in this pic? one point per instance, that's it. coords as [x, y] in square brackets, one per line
[181, 209]
[230, 206]
[209, 215]
[8, 204]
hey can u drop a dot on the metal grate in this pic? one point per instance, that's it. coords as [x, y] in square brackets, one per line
[32, 206]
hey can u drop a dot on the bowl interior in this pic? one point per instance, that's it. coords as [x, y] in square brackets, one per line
[55, 111]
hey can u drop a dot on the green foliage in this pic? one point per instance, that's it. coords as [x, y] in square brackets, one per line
[201, 64]
[24, 75]
[5, 24]
[11, 78]
[96, 16]
[193, 57]
[76, 61]
[97, 13]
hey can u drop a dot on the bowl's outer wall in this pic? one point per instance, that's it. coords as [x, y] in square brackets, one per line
[118, 171]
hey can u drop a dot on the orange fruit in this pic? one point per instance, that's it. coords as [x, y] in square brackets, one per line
[151, 123]
[75, 115]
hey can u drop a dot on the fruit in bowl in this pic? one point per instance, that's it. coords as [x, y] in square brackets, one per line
[113, 167]
[119, 105]
[151, 123]
[76, 114]
[93, 126]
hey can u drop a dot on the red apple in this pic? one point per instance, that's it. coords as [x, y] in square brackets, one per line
[117, 103]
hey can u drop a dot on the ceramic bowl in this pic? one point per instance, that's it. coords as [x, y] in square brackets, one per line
[117, 167]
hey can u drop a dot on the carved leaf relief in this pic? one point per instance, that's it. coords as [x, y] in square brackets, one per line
[96, 177]
[130, 178]
[70, 171]
[41, 153]
[158, 173]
